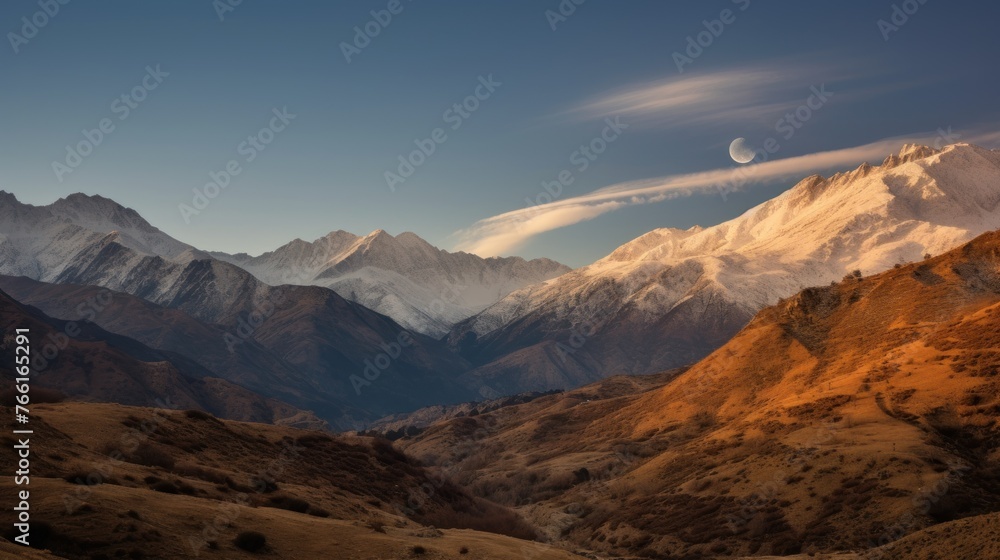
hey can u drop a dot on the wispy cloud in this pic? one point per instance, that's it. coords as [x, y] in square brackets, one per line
[726, 96]
[716, 96]
[506, 232]
[735, 95]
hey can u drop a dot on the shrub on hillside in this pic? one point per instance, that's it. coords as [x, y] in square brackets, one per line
[250, 541]
[290, 503]
[150, 455]
[201, 415]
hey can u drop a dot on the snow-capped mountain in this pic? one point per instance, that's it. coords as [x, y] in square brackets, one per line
[423, 288]
[305, 345]
[669, 297]
[40, 241]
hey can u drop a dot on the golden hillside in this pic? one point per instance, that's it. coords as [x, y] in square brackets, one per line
[111, 481]
[844, 417]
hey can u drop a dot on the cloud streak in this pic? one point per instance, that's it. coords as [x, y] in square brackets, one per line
[717, 97]
[724, 96]
[503, 233]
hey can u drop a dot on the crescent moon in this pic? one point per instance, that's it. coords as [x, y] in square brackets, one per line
[741, 152]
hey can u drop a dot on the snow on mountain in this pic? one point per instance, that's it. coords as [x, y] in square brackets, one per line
[423, 288]
[676, 288]
[305, 345]
[39, 241]
[420, 286]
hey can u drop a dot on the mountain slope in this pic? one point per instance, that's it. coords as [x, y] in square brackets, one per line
[36, 241]
[86, 362]
[195, 483]
[681, 294]
[424, 288]
[171, 330]
[328, 341]
[842, 418]
[331, 341]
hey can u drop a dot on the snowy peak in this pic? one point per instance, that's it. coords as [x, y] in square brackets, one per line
[79, 217]
[99, 214]
[695, 287]
[420, 286]
[918, 190]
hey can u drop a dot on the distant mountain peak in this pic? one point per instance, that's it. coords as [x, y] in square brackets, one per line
[403, 276]
[77, 221]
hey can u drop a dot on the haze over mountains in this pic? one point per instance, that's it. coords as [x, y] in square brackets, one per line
[670, 297]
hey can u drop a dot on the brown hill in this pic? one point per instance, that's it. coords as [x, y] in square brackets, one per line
[167, 330]
[112, 481]
[84, 362]
[844, 417]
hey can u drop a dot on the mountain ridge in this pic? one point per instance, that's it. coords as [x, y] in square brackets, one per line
[678, 283]
[425, 288]
[311, 328]
[842, 418]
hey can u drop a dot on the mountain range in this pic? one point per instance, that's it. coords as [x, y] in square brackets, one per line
[423, 288]
[836, 392]
[303, 344]
[684, 293]
[85, 362]
[852, 421]
[302, 324]
[840, 419]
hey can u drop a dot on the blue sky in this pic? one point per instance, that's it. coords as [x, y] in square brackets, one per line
[553, 91]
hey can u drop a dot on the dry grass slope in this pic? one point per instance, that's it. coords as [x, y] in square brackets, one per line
[843, 418]
[112, 481]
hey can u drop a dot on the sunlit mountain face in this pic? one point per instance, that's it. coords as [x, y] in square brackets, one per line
[532, 280]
